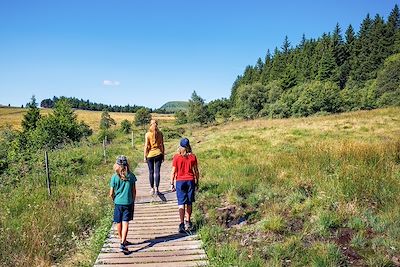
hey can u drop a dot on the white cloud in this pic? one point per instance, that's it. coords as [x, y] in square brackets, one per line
[111, 83]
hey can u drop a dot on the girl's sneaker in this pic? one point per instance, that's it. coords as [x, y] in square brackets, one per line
[123, 248]
[127, 243]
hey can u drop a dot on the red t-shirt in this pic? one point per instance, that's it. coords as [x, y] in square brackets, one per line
[184, 166]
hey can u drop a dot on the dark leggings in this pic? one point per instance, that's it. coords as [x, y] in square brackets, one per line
[154, 164]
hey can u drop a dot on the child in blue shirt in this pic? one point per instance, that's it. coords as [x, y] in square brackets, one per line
[123, 193]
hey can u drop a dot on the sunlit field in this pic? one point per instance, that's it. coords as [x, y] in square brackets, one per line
[14, 116]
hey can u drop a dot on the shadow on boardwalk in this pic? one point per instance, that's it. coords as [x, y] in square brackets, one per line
[161, 239]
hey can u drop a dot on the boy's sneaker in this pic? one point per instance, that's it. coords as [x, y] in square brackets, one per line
[182, 228]
[188, 225]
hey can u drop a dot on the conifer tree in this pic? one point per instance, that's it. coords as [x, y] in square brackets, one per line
[393, 28]
[197, 110]
[286, 46]
[32, 117]
[106, 121]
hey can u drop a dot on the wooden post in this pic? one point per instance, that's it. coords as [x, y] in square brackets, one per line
[104, 149]
[46, 160]
[133, 145]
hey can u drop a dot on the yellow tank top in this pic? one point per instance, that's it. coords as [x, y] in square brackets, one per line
[155, 144]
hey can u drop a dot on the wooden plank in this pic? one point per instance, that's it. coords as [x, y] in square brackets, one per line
[167, 264]
[161, 259]
[155, 248]
[154, 244]
[170, 253]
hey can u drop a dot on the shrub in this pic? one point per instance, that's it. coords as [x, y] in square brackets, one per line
[142, 117]
[106, 121]
[180, 117]
[32, 117]
[58, 128]
[198, 112]
[126, 126]
[250, 100]
[316, 97]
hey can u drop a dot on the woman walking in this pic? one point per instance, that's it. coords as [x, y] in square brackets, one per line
[184, 179]
[154, 155]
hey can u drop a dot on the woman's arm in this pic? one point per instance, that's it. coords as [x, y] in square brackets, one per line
[162, 146]
[145, 151]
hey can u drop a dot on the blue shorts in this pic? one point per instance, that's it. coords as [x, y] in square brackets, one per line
[123, 213]
[185, 192]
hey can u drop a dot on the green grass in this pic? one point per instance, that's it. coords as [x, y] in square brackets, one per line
[68, 227]
[300, 183]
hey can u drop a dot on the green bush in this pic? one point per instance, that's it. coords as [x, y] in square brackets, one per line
[142, 117]
[250, 100]
[58, 129]
[126, 126]
[106, 121]
[180, 117]
[317, 97]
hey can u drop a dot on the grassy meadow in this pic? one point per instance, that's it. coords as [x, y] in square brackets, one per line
[315, 191]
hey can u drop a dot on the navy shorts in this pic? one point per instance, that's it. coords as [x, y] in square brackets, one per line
[185, 192]
[123, 213]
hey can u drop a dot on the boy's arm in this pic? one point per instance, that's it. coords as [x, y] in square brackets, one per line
[173, 177]
[196, 175]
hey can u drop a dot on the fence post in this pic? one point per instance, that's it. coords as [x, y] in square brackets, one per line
[104, 149]
[133, 145]
[46, 160]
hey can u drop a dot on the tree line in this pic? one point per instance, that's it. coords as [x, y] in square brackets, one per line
[93, 106]
[330, 74]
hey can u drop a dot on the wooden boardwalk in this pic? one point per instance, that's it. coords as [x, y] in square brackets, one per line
[154, 231]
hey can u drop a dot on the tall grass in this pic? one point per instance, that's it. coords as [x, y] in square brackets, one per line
[38, 230]
[309, 192]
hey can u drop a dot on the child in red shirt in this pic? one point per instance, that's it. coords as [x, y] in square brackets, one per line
[186, 174]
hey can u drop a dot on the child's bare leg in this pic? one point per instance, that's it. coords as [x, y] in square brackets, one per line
[182, 212]
[124, 232]
[119, 230]
[188, 212]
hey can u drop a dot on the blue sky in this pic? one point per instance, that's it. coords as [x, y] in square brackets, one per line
[150, 52]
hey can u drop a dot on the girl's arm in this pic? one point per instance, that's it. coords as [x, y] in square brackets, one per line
[111, 193]
[134, 193]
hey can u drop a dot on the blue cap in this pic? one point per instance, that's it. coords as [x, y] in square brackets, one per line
[122, 160]
[184, 142]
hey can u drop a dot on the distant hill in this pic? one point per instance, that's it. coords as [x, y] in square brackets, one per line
[173, 106]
